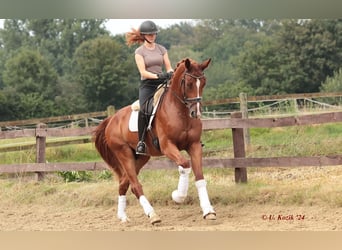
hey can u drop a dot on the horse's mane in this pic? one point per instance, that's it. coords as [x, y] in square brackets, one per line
[181, 62]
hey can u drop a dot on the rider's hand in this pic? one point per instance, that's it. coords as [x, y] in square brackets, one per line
[165, 76]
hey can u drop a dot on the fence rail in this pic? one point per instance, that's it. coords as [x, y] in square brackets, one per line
[273, 98]
[208, 124]
[320, 161]
[301, 120]
[110, 110]
[236, 123]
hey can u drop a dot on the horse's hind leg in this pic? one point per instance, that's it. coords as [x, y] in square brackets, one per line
[131, 168]
[154, 218]
[122, 202]
[123, 187]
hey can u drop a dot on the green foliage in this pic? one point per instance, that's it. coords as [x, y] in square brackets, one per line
[38, 57]
[296, 58]
[310, 53]
[105, 175]
[31, 83]
[71, 99]
[62, 66]
[85, 176]
[101, 68]
[75, 176]
[334, 83]
[29, 72]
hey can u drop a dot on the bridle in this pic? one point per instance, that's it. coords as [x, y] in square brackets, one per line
[189, 102]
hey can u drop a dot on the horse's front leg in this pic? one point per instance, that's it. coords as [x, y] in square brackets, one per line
[172, 152]
[181, 192]
[195, 152]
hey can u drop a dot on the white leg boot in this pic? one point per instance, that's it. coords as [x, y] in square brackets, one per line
[148, 209]
[122, 216]
[207, 209]
[180, 194]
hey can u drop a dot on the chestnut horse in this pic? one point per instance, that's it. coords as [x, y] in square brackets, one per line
[177, 126]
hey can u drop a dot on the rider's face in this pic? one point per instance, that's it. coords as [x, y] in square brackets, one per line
[151, 37]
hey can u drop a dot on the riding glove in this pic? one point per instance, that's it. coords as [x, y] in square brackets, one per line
[165, 76]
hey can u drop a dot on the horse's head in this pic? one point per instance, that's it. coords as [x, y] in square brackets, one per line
[188, 83]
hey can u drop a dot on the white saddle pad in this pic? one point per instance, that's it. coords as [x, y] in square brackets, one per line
[133, 121]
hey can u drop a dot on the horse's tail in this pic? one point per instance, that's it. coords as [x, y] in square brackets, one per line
[102, 145]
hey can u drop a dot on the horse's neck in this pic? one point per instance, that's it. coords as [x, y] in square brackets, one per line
[174, 98]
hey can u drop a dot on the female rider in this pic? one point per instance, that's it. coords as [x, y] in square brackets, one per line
[150, 58]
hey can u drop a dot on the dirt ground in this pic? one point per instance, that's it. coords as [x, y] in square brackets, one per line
[174, 218]
[253, 216]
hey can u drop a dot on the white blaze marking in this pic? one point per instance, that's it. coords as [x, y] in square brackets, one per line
[198, 83]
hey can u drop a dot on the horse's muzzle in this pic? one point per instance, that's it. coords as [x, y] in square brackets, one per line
[194, 105]
[195, 113]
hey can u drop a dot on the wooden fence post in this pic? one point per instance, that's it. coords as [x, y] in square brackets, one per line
[40, 147]
[239, 149]
[110, 111]
[295, 106]
[244, 110]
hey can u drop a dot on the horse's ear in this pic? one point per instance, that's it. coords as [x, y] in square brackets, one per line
[205, 64]
[187, 64]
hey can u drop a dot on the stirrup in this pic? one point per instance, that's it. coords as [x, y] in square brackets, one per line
[141, 148]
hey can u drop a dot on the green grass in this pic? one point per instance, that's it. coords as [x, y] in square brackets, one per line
[297, 141]
[265, 142]
[79, 153]
[308, 186]
[286, 141]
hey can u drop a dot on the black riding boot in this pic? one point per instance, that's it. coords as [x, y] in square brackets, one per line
[142, 122]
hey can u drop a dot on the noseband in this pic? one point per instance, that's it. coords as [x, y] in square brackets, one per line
[189, 102]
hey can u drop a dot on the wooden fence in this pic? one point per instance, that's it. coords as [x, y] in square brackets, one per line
[110, 110]
[236, 123]
[273, 98]
[243, 100]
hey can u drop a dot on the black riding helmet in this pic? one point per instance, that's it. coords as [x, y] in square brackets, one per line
[148, 27]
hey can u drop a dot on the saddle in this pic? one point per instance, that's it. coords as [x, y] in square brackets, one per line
[150, 108]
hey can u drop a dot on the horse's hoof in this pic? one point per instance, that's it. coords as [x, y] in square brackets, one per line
[210, 216]
[176, 198]
[154, 218]
[124, 220]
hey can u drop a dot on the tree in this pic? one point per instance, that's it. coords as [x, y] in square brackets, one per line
[296, 59]
[56, 39]
[310, 47]
[103, 71]
[32, 83]
[73, 32]
[334, 83]
[14, 35]
[258, 66]
[29, 72]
